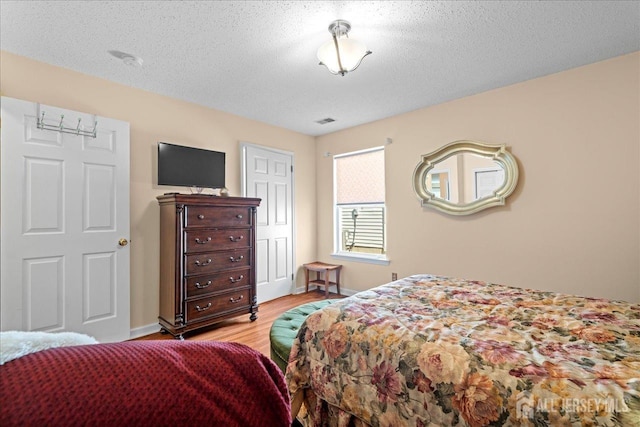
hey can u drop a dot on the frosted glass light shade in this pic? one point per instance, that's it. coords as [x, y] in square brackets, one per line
[351, 54]
[341, 54]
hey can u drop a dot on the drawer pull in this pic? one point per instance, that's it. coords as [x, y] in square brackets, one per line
[202, 264]
[200, 216]
[207, 307]
[202, 242]
[236, 280]
[239, 216]
[236, 239]
[240, 258]
[206, 285]
[235, 300]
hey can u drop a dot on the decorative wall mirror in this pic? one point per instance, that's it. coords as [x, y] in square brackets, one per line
[465, 177]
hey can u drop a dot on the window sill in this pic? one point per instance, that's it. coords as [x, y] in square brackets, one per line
[359, 257]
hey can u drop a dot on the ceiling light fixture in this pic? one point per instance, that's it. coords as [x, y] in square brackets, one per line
[341, 54]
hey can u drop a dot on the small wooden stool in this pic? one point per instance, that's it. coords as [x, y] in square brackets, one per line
[321, 267]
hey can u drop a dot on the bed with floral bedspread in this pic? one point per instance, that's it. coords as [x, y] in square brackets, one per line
[430, 350]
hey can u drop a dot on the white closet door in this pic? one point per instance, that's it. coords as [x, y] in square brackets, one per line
[65, 206]
[268, 175]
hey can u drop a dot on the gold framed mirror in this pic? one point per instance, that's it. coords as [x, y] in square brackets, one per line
[464, 177]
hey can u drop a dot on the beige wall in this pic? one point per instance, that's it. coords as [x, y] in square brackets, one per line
[156, 118]
[572, 225]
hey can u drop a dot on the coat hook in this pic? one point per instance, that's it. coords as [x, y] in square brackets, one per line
[61, 127]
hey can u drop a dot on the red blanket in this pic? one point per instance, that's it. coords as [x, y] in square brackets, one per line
[144, 383]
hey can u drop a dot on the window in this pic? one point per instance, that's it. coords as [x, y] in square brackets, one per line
[360, 214]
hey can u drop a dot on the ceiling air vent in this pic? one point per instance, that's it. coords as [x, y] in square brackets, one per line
[325, 121]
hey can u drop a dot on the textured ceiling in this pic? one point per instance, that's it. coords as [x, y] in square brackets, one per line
[258, 59]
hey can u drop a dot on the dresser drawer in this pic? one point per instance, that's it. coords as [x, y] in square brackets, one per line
[211, 306]
[207, 216]
[217, 239]
[211, 262]
[203, 285]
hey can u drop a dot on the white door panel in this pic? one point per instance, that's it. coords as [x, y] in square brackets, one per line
[268, 176]
[98, 201]
[281, 264]
[42, 297]
[43, 196]
[262, 262]
[65, 205]
[261, 191]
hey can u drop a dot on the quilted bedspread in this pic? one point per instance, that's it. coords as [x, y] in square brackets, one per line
[429, 350]
[144, 383]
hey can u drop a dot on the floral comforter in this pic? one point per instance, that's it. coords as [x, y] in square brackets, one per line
[429, 350]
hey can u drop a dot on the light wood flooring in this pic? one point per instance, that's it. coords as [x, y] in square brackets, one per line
[241, 329]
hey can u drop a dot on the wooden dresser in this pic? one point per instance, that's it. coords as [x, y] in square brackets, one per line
[207, 260]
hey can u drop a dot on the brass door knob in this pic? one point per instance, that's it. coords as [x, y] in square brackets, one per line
[123, 242]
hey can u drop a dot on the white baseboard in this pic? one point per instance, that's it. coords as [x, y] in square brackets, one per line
[343, 291]
[144, 330]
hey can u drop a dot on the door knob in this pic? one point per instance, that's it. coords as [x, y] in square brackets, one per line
[123, 242]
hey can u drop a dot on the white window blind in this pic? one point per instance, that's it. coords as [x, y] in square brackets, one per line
[367, 231]
[360, 177]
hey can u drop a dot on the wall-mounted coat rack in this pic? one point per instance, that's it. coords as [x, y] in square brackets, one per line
[64, 129]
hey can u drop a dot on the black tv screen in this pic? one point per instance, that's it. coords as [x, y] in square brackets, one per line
[190, 167]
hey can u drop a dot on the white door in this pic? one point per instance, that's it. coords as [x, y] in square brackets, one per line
[64, 208]
[268, 175]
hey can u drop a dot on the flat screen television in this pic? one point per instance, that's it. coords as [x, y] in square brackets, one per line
[190, 167]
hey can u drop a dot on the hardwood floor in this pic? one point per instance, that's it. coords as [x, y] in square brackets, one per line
[240, 329]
